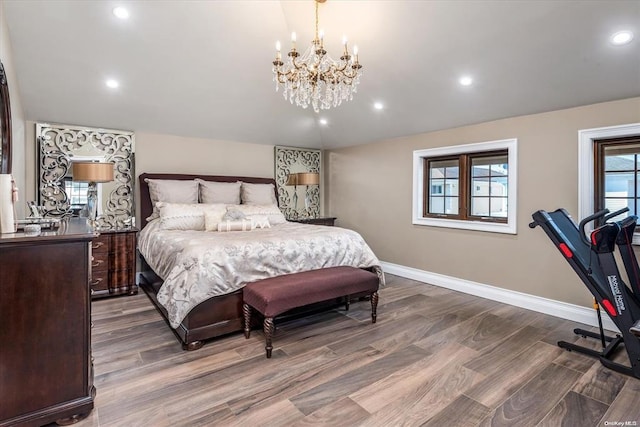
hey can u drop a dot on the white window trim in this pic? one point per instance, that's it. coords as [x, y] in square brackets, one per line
[511, 145]
[586, 144]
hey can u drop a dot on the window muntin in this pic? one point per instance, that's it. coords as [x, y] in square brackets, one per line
[424, 189]
[77, 193]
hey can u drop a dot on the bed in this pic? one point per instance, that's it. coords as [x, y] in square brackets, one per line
[212, 267]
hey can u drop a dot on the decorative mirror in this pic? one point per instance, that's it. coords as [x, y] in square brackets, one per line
[60, 196]
[5, 123]
[298, 172]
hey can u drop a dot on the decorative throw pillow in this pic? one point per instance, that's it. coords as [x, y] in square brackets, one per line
[213, 216]
[258, 194]
[242, 225]
[219, 192]
[183, 216]
[260, 221]
[233, 214]
[171, 191]
[272, 212]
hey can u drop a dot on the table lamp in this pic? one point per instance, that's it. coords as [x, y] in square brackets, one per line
[93, 173]
[307, 179]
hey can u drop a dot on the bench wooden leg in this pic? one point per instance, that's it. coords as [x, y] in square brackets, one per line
[268, 334]
[374, 307]
[346, 303]
[246, 310]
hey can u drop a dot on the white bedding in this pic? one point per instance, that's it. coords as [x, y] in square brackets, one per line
[197, 265]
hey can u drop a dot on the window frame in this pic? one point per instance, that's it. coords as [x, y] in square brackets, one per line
[420, 187]
[586, 166]
[600, 145]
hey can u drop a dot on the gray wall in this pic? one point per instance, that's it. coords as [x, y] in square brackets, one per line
[370, 190]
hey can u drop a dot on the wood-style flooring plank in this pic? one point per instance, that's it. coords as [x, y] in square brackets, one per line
[472, 411]
[626, 407]
[575, 410]
[330, 391]
[409, 384]
[505, 379]
[341, 413]
[601, 384]
[529, 405]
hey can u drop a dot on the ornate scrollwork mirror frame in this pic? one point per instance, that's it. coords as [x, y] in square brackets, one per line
[290, 160]
[57, 147]
[5, 123]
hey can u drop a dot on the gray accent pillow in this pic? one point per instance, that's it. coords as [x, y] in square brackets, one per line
[219, 192]
[171, 191]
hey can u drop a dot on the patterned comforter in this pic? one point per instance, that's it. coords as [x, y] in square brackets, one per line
[198, 265]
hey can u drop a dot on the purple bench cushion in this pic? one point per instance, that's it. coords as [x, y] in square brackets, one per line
[276, 295]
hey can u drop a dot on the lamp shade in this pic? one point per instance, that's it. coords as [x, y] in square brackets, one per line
[308, 178]
[292, 179]
[92, 171]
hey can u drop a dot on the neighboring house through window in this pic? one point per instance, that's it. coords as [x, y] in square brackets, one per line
[466, 186]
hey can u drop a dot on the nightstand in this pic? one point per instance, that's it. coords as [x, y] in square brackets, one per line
[328, 220]
[113, 265]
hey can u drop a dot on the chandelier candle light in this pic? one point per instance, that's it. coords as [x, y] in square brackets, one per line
[314, 78]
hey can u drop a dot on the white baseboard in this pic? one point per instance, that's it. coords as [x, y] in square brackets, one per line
[555, 308]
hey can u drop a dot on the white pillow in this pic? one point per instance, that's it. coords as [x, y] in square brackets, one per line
[258, 194]
[171, 191]
[244, 224]
[184, 216]
[219, 192]
[272, 212]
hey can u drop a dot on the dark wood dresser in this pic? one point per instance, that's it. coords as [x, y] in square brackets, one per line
[114, 263]
[46, 372]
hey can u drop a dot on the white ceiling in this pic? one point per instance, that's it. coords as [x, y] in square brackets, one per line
[203, 68]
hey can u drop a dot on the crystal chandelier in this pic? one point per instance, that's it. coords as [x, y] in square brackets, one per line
[314, 78]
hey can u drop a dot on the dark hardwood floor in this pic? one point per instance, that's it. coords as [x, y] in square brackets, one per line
[435, 357]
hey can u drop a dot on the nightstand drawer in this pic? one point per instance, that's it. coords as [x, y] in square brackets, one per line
[99, 261]
[114, 263]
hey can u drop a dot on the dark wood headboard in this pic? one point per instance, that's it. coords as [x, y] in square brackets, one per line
[146, 208]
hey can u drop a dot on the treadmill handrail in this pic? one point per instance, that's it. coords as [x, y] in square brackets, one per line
[587, 220]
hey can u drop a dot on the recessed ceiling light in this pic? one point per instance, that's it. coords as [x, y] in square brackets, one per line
[323, 121]
[465, 81]
[621, 37]
[378, 105]
[112, 83]
[121, 12]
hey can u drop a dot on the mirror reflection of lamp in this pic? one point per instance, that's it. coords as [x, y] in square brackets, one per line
[93, 173]
[292, 179]
[307, 179]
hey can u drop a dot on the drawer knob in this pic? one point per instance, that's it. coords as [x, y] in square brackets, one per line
[95, 282]
[97, 263]
[96, 245]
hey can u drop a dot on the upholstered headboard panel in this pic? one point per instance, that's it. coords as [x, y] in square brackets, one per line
[146, 208]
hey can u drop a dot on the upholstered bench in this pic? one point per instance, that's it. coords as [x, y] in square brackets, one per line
[275, 295]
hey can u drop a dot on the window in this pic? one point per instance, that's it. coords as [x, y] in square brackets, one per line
[617, 174]
[587, 143]
[77, 193]
[467, 186]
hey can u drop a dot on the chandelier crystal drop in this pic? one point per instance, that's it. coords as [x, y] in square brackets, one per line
[314, 77]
